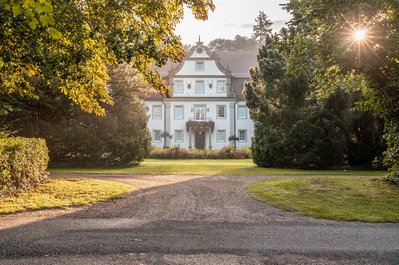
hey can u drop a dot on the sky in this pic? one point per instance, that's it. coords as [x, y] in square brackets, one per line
[231, 18]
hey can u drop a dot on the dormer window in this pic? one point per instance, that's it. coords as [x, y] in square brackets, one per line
[199, 66]
[179, 88]
[221, 86]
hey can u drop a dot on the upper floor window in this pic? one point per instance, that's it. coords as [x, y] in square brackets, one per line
[178, 87]
[221, 86]
[242, 112]
[199, 112]
[179, 112]
[199, 87]
[199, 66]
[221, 112]
[157, 112]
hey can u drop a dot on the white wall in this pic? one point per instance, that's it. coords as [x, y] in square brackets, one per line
[210, 68]
[211, 113]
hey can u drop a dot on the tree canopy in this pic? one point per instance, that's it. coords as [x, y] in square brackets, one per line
[354, 46]
[75, 41]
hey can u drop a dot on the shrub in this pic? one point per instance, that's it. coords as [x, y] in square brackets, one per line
[177, 152]
[23, 164]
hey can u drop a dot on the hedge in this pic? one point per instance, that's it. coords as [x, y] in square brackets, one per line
[23, 164]
[177, 152]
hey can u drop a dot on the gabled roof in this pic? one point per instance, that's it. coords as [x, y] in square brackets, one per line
[237, 62]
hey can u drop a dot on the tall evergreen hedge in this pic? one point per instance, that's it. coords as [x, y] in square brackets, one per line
[23, 164]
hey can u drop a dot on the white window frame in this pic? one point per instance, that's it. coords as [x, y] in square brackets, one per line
[224, 111]
[182, 136]
[198, 68]
[219, 86]
[218, 132]
[154, 139]
[175, 116]
[239, 135]
[238, 113]
[196, 87]
[154, 117]
[179, 84]
[199, 108]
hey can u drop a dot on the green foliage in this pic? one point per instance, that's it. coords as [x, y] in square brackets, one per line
[76, 41]
[370, 66]
[120, 137]
[239, 43]
[33, 11]
[294, 128]
[23, 164]
[177, 152]
[262, 29]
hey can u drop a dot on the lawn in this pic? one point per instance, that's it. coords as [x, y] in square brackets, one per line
[347, 198]
[61, 193]
[239, 167]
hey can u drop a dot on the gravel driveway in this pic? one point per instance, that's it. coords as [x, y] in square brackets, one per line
[190, 220]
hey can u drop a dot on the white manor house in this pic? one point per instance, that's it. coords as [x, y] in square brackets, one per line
[206, 106]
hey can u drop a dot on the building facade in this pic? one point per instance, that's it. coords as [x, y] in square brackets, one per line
[206, 108]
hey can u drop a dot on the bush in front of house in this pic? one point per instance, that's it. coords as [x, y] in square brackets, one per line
[177, 152]
[23, 164]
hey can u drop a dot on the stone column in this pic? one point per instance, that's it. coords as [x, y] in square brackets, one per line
[210, 139]
[168, 121]
[232, 121]
[190, 146]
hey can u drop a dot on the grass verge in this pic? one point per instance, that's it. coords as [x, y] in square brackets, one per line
[236, 167]
[367, 199]
[61, 193]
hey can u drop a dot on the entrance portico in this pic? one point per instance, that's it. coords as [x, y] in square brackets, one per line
[200, 129]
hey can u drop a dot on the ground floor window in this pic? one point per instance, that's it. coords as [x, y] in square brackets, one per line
[179, 136]
[221, 136]
[242, 135]
[156, 136]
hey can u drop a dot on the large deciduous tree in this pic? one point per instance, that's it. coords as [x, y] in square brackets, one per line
[75, 41]
[74, 136]
[356, 41]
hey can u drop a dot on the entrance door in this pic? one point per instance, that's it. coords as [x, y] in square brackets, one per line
[200, 140]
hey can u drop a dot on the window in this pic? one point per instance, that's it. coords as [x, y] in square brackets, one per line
[199, 87]
[157, 112]
[156, 136]
[221, 136]
[221, 112]
[178, 136]
[242, 135]
[199, 66]
[221, 86]
[179, 112]
[199, 113]
[179, 87]
[242, 112]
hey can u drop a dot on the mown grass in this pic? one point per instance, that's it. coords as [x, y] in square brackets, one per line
[61, 193]
[239, 167]
[347, 198]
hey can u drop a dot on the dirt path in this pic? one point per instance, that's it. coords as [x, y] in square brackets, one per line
[190, 220]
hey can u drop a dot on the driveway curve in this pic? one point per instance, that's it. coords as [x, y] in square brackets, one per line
[190, 220]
